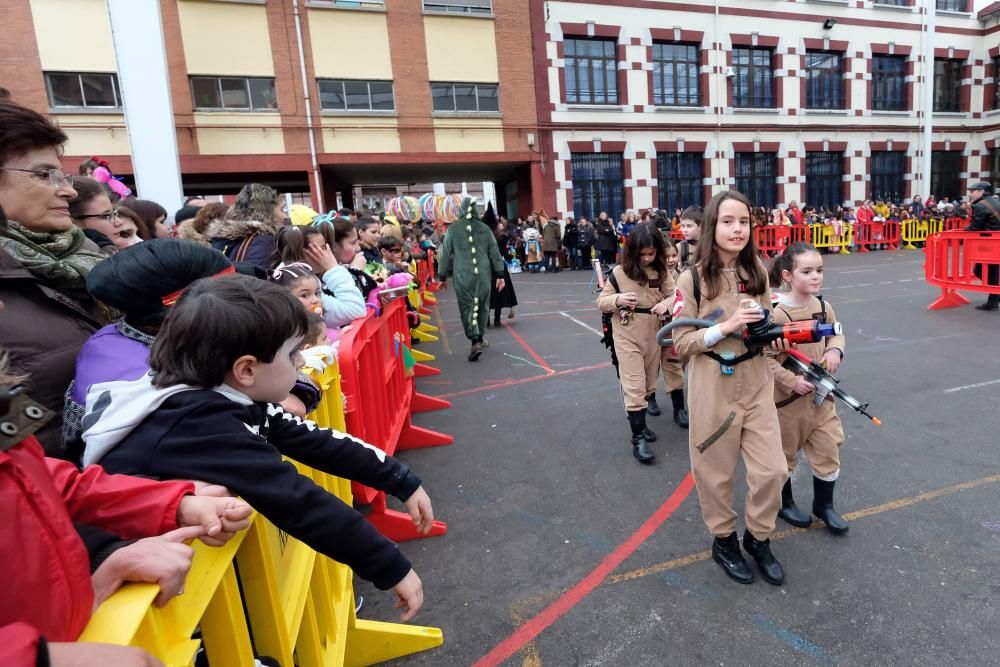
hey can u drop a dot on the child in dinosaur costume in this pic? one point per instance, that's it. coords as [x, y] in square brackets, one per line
[469, 251]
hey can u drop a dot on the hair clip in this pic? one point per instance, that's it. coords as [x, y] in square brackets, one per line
[172, 298]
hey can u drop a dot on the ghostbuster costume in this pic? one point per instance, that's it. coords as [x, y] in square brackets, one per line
[815, 429]
[469, 251]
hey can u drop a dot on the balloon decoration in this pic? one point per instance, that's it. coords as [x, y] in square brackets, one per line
[429, 207]
[404, 208]
[449, 208]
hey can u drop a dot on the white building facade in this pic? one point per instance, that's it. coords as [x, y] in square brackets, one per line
[650, 104]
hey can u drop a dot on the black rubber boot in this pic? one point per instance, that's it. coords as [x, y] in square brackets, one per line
[769, 566]
[789, 511]
[823, 507]
[476, 351]
[651, 407]
[726, 552]
[680, 412]
[649, 435]
[640, 445]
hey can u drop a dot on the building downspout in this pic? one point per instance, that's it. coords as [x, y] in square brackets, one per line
[309, 119]
[928, 95]
[720, 90]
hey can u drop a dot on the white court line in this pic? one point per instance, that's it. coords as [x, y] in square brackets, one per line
[971, 386]
[581, 323]
[857, 271]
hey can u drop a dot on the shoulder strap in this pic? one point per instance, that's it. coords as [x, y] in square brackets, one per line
[613, 280]
[988, 204]
[696, 285]
[241, 253]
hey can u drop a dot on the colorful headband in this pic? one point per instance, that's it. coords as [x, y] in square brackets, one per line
[170, 299]
[283, 268]
[327, 218]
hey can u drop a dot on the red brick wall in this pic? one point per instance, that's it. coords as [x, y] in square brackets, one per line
[20, 65]
[514, 62]
[180, 90]
[410, 75]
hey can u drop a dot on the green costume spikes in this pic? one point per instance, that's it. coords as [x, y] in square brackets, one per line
[469, 251]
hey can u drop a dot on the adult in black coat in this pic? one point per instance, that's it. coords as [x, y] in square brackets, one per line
[570, 240]
[986, 218]
[585, 242]
[607, 240]
[507, 297]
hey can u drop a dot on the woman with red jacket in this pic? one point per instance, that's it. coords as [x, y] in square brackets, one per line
[48, 602]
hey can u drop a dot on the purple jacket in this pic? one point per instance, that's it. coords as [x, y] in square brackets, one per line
[107, 356]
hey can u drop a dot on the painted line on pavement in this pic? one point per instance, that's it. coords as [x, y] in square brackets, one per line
[544, 365]
[552, 613]
[970, 386]
[581, 323]
[512, 383]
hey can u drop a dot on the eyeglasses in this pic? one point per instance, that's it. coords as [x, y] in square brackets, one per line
[110, 216]
[55, 176]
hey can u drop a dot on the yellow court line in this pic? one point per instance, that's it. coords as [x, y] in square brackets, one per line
[531, 656]
[440, 326]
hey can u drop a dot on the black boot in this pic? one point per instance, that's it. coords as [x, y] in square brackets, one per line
[726, 552]
[649, 435]
[789, 511]
[651, 407]
[640, 445]
[477, 350]
[680, 412]
[769, 566]
[823, 506]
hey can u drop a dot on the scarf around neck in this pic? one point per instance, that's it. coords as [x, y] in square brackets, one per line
[62, 260]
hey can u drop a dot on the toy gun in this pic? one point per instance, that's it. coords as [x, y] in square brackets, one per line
[824, 383]
[762, 332]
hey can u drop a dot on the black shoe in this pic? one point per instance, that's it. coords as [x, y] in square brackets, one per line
[988, 306]
[823, 507]
[726, 552]
[789, 511]
[649, 435]
[652, 409]
[769, 566]
[477, 351]
[640, 444]
[496, 323]
[680, 412]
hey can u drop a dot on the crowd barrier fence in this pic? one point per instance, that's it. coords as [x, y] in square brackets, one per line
[868, 235]
[959, 260]
[300, 606]
[826, 236]
[381, 400]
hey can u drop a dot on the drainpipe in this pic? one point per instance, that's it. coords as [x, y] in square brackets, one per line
[928, 94]
[720, 91]
[309, 119]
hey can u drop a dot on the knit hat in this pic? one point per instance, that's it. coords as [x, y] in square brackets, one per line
[185, 213]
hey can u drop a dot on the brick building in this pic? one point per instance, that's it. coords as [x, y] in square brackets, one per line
[661, 104]
[400, 92]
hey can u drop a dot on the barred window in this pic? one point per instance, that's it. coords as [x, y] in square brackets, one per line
[953, 5]
[233, 93]
[894, 3]
[78, 90]
[996, 85]
[679, 180]
[675, 74]
[824, 80]
[591, 71]
[753, 85]
[824, 179]
[946, 174]
[757, 177]
[995, 169]
[355, 95]
[888, 169]
[947, 84]
[889, 83]
[459, 6]
[598, 184]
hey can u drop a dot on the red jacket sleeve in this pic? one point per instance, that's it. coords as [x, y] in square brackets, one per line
[19, 645]
[130, 507]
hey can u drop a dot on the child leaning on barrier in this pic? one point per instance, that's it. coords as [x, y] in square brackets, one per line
[227, 353]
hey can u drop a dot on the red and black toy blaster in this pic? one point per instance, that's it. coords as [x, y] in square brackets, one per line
[825, 384]
[764, 331]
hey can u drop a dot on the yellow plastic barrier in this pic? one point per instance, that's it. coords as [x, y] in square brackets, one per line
[825, 236]
[298, 603]
[917, 231]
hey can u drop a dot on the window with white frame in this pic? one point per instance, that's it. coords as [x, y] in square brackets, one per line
[355, 95]
[480, 7]
[233, 93]
[349, 4]
[465, 97]
[81, 90]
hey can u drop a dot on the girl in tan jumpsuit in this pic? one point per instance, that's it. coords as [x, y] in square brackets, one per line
[670, 361]
[732, 409]
[814, 429]
[643, 283]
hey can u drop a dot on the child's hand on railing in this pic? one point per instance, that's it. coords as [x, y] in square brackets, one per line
[419, 507]
[411, 595]
[221, 518]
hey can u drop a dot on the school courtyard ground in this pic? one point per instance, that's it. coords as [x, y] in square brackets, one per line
[563, 550]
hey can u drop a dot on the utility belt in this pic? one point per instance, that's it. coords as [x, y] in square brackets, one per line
[728, 360]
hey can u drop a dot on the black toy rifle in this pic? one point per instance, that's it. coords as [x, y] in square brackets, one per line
[824, 383]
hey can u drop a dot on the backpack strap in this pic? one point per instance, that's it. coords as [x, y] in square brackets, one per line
[614, 281]
[986, 202]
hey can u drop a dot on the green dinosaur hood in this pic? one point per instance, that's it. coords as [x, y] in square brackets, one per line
[468, 210]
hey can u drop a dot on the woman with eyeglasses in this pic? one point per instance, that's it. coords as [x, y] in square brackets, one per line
[112, 228]
[44, 263]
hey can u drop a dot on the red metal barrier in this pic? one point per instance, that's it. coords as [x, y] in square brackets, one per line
[381, 401]
[955, 224]
[799, 234]
[676, 235]
[951, 260]
[771, 240]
